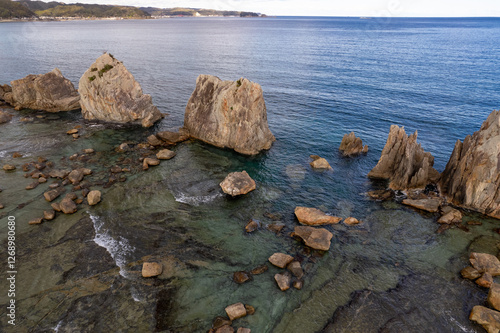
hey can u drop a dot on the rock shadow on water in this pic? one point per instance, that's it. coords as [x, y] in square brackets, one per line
[417, 302]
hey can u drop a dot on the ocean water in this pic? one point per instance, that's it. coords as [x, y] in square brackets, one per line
[322, 78]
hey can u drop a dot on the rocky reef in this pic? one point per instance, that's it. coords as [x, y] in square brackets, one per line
[110, 93]
[228, 114]
[352, 145]
[471, 178]
[404, 162]
[50, 92]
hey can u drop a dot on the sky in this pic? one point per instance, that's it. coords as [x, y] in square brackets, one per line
[378, 8]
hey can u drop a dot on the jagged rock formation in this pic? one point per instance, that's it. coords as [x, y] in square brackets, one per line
[110, 93]
[471, 178]
[228, 114]
[50, 92]
[5, 117]
[351, 145]
[404, 163]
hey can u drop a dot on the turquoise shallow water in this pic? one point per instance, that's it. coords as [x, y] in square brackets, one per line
[322, 77]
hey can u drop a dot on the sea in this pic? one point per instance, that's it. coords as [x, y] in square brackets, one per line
[322, 77]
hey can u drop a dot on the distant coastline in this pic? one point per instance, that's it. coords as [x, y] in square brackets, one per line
[26, 10]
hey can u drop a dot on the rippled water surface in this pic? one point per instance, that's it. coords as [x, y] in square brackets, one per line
[322, 78]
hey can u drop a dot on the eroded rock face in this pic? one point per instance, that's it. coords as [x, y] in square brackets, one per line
[471, 178]
[110, 93]
[50, 92]
[404, 162]
[352, 145]
[228, 114]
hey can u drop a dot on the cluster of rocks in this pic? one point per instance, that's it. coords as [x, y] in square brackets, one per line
[471, 179]
[42, 170]
[483, 268]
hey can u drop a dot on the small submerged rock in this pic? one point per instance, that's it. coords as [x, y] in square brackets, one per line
[241, 277]
[316, 238]
[280, 260]
[237, 183]
[351, 221]
[494, 296]
[296, 269]
[148, 161]
[450, 215]
[172, 138]
[314, 217]
[251, 226]
[49, 215]
[429, 205]
[259, 270]
[36, 221]
[165, 154]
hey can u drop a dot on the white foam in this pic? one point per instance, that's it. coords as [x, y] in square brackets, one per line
[196, 200]
[135, 295]
[58, 327]
[454, 321]
[117, 248]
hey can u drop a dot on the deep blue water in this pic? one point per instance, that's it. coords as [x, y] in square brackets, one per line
[322, 78]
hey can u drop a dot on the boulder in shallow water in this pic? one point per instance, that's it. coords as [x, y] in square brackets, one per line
[314, 217]
[283, 281]
[280, 260]
[172, 138]
[241, 277]
[320, 163]
[351, 221]
[68, 206]
[404, 163]
[228, 114]
[165, 154]
[110, 93]
[429, 205]
[151, 269]
[470, 273]
[94, 197]
[149, 161]
[484, 262]
[489, 319]
[494, 296]
[237, 183]
[50, 92]
[316, 238]
[450, 215]
[352, 145]
[471, 178]
[235, 311]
